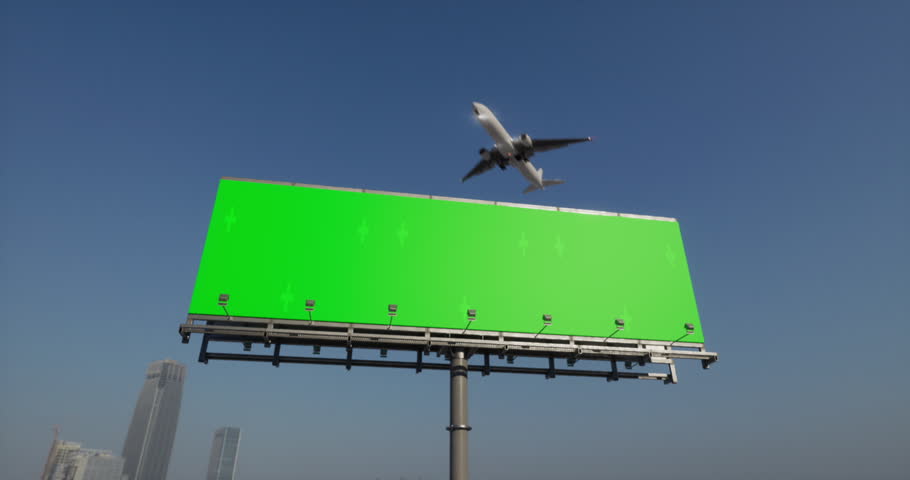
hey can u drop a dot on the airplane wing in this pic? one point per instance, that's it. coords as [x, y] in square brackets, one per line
[546, 144]
[482, 166]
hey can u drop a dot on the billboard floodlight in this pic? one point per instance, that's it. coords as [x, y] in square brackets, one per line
[547, 321]
[570, 361]
[223, 301]
[690, 329]
[247, 346]
[510, 359]
[310, 304]
[472, 315]
[628, 365]
[393, 311]
[317, 349]
[383, 352]
[620, 325]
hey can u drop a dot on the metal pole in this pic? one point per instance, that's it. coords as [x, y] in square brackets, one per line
[458, 417]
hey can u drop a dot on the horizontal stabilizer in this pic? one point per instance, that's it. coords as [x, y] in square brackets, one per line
[546, 183]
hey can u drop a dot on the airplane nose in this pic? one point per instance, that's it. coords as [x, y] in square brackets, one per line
[478, 108]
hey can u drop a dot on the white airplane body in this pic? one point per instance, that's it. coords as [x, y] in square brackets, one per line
[515, 152]
[495, 129]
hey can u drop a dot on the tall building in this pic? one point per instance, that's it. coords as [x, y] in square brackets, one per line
[72, 462]
[60, 463]
[147, 449]
[225, 447]
[98, 466]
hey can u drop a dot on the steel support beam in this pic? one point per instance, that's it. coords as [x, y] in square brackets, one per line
[566, 372]
[458, 416]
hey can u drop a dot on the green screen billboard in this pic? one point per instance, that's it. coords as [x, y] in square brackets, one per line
[272, 246]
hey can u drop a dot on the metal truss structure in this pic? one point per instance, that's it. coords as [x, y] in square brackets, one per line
[424, 341]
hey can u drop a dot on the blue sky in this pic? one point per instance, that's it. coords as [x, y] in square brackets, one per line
[776, 132]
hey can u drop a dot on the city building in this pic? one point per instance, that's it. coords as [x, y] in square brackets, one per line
[225, 448]
[103, 465]
[69, 461]
[60, 459]
[150, 438]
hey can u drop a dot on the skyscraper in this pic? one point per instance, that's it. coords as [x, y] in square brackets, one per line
[61, 460]
[225, 447]
[147, 450]
[69, 461]
[98, 465]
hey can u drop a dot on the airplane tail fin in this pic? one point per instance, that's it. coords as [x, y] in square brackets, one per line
[546, 183]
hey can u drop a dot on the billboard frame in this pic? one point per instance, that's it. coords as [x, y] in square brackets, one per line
[425, 340]
[247, 330]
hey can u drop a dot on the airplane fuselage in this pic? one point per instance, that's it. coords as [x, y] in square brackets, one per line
[502, 139]
[505, 144]
[528, 171]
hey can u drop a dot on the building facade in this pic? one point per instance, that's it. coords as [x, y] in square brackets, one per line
[61, 459]
[225, 449]
[72, 462]
[150, 439]
[98, 466]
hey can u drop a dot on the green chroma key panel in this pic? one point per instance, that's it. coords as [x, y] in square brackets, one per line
[273, 246]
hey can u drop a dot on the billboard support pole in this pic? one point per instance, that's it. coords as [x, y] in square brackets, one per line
[458, 416]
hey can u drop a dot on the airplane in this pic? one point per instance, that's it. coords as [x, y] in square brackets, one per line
[515, 151]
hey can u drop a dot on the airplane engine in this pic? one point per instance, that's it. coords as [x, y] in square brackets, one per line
[525, 141]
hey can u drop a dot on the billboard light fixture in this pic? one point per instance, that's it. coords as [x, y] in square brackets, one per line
[472, 315]
[223, 301]
[310, 305]
[317, 349]
[547, 321]
[620, 325]
[510, 359]
[247, 346]
[383, 352]
[570, 361]
[393, 312]
[690, 329]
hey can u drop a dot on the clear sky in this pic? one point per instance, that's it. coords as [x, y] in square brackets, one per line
[778, 134]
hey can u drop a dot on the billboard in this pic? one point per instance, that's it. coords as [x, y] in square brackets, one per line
[272, 246]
